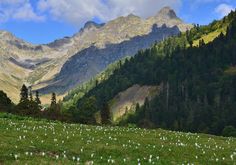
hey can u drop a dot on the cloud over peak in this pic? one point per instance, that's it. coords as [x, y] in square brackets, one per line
[79, 11]
[223, 9]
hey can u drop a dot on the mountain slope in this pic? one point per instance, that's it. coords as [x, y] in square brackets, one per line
[91, 61]
[125, 102]
[121, 37]
[197, 83]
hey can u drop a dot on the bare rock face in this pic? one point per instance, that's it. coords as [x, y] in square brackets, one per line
[87, 63]
[167, 13]
[90, 24]
[62, 64]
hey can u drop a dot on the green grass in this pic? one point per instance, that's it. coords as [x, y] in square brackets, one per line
[210, 36]
[29, 141]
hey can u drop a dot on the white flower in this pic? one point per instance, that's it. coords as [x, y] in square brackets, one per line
[150, 160]
[232, 157]
[16, 156]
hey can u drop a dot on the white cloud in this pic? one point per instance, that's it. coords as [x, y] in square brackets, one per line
[26, 13]
[79, 11]
[223, 9]
[18, 10]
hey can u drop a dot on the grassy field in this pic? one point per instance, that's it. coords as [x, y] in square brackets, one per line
[29, 141]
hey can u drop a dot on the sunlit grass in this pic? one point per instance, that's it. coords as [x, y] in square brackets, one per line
[28, 141]
[210, 36]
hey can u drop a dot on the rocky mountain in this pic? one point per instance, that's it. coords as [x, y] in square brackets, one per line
[62, 64]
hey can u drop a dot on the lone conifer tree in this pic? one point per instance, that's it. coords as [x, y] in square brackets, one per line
[24, 94]
[53, 101]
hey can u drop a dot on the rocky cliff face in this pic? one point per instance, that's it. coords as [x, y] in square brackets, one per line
[62, 64]
[87, 63]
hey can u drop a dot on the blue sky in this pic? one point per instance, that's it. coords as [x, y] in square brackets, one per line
[42, 21]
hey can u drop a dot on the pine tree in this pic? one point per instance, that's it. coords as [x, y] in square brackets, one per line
[24, 94]
[146, 109]
[105, 114]
[53, 101]
[24, 106]
[30, 94]
[137, 108]
[96, 83]
[37, 99]
[5, 103]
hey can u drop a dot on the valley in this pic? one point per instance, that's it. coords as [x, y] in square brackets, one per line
[133, 90]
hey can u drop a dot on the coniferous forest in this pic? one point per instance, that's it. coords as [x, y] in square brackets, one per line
[197, 83]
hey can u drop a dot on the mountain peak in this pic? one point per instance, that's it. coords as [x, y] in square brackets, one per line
[131, 15]
[5, 34]
[91, 24]
[167, 13]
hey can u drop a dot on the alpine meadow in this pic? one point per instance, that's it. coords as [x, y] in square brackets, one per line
[127, 87]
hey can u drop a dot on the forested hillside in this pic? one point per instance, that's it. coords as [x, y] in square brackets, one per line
[76, 93]
[197, 82]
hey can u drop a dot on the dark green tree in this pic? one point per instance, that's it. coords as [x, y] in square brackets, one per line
[30, 93]
[86, 110]
[229, 131]
[105, 114]
[53, 102]
[24, 94]
[5, 103]
[24, 107]
[37, 99]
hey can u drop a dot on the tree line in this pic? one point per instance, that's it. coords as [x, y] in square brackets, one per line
[30, 105]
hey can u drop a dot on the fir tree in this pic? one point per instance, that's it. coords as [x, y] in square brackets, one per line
[24, 94]
[105, 114]
[37, 99]
[30, 94]
[53, 101]
[5, 103]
